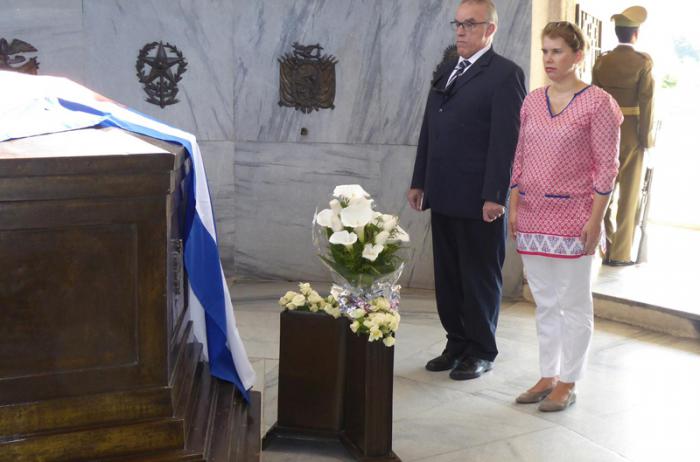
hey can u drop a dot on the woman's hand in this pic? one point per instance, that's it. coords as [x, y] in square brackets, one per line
[512, 221]
[513, 212]
[590, 236]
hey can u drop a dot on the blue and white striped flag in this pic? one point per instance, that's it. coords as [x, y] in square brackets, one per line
[37, 105]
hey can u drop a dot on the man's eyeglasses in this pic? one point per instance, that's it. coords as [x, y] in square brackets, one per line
[466, 25]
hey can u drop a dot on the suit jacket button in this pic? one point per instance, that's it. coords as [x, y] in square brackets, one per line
[440, 110]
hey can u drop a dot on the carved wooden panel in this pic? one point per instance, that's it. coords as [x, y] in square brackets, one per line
[592, 28]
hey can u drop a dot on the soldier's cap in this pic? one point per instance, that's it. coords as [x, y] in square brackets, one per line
[631, 17]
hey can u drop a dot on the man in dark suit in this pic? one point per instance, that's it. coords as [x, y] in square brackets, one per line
[462, 173]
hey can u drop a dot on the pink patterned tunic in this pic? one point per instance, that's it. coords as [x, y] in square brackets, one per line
[560, 162]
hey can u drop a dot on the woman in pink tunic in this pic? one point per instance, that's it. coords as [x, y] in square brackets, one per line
[564, 170]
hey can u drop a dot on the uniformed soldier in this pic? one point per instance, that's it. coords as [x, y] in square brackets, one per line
[625, 73]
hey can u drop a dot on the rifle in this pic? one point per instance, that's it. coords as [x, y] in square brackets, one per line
[642, 215]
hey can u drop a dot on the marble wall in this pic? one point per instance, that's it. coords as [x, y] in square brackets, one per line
[266, 178]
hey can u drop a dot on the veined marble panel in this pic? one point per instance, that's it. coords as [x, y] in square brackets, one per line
[278, 187]
[54, 27]
[218, 157]
[116, 30]
[414, 35]
[265, 31]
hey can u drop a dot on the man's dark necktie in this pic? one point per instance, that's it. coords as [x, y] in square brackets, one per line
[459, 69]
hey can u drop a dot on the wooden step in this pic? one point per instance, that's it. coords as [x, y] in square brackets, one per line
[236, 426]
[95, 442]
[163, 456]
[83, 411]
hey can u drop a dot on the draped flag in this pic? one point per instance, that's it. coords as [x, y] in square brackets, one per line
[37, 105]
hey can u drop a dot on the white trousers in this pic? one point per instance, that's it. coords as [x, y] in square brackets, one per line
[561, 288]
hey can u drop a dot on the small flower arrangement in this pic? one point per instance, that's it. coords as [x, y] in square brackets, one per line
[378, 319]
[307, 299]
[362, 248]
[356, 242]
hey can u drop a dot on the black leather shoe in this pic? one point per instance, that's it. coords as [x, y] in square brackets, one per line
[470, 368]
[444, 362]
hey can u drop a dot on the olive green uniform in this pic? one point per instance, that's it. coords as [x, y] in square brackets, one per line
[626, 74]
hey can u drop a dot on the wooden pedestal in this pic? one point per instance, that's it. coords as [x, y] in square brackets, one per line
[334, 385]
[367, 430]
[311, 376]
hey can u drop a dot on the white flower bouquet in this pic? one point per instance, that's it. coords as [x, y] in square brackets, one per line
[356, 242]
[363, 250]
[307, 299]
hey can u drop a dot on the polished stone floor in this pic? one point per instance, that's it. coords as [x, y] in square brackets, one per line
[638, 402]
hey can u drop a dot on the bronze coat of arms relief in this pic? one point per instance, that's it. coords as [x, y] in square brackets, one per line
[11, 58]
[159, 68]
[307, 79]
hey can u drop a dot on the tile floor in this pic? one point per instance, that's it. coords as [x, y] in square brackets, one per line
[639, 401]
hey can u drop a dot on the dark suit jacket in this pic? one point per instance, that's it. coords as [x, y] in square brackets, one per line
[468, 138]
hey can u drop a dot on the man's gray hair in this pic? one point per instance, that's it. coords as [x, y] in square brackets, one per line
[490, 8]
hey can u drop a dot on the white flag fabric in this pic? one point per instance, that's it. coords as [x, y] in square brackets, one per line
[37, 105]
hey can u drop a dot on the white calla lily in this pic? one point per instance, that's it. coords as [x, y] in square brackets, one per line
[335, 206]
[329, 219]
[343, 238]
[324, 218]
[349, 191]
[354, 216]
[371, 252]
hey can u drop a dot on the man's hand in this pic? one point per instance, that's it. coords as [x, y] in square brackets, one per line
[492, 211]
[590, 236]
[415, 199]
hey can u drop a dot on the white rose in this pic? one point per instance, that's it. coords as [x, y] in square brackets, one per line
[289, 295]
[354, 326]
[291, 306]
[381, 238]
[394, 323]
[389, 222]
[357, 313]
[375, 334]
[399, 235]
[349, 191]
[313, 307]
[282, 301]
[381, 303]
[343, 238]
[305, 288]
[314, 297]
[389, 341]
[371, 252]
[299, 300]
[335, 312]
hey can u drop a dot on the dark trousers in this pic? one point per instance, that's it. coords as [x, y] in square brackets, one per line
[468, 256]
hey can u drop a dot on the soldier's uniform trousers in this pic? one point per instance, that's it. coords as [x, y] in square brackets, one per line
[619, 229]
[561, 288]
